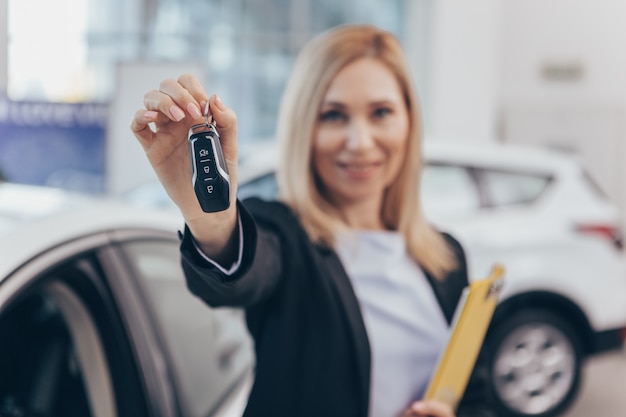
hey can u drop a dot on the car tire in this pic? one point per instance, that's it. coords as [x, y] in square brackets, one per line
[534, 361]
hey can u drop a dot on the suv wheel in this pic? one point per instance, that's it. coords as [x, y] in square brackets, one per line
[534, 361]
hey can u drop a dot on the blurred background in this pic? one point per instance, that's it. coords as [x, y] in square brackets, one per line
[102, 56]
[73, 72]
[543, 73]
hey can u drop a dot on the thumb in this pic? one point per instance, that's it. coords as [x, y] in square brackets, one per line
[432, 408]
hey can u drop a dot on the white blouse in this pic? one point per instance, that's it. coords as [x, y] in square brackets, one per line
[406, 327]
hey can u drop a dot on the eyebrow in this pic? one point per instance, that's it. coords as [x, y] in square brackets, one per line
[333, 104]
[376, 103]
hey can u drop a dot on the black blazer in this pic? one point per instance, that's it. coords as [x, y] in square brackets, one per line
[312, 350]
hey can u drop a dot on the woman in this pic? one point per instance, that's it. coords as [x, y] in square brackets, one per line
[348, 291]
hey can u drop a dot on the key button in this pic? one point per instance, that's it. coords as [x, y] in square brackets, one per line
[204, 155]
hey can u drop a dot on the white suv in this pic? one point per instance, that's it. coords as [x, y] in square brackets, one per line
[538, 213]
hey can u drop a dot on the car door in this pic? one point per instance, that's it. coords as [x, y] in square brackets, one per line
[63, 348]
[207, 352]
[104, 326]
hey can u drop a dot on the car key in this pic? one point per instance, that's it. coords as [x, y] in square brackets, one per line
[210, 178]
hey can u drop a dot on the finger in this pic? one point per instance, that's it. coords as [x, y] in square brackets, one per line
[164, 104]
[432, 408]
[140, 126]
[193, 85]
[182, 98]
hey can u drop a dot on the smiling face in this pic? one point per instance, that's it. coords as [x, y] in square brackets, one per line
[361, 134]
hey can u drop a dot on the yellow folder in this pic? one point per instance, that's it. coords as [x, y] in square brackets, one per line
[469, 326]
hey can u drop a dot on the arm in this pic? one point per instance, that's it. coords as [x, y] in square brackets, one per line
[161, 129]
[252, 282]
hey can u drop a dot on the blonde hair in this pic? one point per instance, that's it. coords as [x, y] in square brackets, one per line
[316, 66]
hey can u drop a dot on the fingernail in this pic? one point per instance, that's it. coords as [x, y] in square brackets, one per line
[177, 113]
[218, 103]
[194, 111]
[150, 115]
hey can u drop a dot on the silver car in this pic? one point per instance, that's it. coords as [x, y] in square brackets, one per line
[96, 319]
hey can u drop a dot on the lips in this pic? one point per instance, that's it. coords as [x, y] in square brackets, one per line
[359, 170]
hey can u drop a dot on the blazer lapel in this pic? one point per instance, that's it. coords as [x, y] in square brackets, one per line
[350, 304]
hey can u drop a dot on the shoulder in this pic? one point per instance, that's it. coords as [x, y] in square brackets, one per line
[455, 246]
[275, 216]
[268, 211]
[458, 274]
[450, 288]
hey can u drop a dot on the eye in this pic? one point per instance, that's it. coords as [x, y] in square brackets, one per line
[382, 112]
[332, 116]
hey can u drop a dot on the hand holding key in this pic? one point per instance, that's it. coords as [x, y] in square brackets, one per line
[173, 110]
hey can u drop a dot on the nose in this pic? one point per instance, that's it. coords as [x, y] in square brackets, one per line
[359, 136]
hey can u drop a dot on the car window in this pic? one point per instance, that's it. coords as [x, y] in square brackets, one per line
[210, 348]
[504, 188]
[53, 349]
[448, 190]
[40, 358]
[264, 187]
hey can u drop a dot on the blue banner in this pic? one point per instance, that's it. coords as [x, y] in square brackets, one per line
[54, 144]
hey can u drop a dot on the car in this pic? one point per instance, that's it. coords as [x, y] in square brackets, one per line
[538, 213]
[96, 318]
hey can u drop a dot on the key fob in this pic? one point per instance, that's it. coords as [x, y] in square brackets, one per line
[210, 178]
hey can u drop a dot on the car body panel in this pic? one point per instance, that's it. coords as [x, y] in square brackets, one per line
[28, 238]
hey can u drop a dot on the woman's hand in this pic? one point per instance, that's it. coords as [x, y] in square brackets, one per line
[173, 109]
[431, 408]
